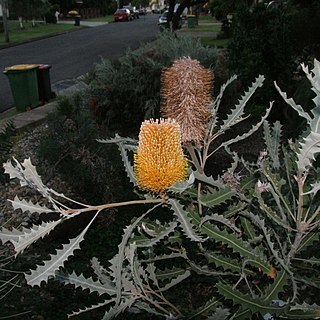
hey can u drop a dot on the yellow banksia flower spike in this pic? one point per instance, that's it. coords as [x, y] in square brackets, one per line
[186, 92]
[159, 161]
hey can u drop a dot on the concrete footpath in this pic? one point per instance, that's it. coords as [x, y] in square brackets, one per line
[30, 119]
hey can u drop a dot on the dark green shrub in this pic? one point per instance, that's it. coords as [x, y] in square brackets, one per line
[272, 42]
[70, 146]
[261, 44]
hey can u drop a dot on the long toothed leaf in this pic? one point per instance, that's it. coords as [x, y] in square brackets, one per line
[176, 280]
[217, 197]
[86, 309]
[43, 272]
[210, 305]
[236, 114]
[28, 206]
[309, 148]
[238, 245]
[184, 220]
[84, 283]
[291, 103]
[33, 234]
[255, 305]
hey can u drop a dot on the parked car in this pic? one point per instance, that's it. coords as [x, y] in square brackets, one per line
[136, 13]
[122, 15]
[142, 11]
[163, 19]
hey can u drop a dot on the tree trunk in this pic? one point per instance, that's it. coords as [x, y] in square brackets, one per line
[5, 21]
[21, 23]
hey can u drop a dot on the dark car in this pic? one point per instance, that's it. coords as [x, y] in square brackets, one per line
[122, 15]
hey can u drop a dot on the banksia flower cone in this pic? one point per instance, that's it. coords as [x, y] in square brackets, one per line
[186, 97]
[159, 161]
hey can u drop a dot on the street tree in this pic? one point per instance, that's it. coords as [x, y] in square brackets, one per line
[24, 9]
[174, 15]
[4, 20]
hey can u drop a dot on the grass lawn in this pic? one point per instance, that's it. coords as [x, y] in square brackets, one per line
[203, 28]
[207, 18]
[18, 35]
[102, 19]
[212, 42]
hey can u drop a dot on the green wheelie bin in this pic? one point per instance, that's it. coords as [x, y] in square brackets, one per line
[24, 85]
[192, 21]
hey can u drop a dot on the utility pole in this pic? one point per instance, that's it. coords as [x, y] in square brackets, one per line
[5, 21]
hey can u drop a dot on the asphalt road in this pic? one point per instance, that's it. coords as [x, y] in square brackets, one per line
[75, 53]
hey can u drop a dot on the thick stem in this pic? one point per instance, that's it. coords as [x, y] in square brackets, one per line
[295, 246]
[300, 179]
[111, 205]
[313, 216]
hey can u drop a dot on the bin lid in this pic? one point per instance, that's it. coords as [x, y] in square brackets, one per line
[21, 67]
[44, 66]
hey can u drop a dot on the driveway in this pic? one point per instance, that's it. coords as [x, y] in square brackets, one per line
[74, 53]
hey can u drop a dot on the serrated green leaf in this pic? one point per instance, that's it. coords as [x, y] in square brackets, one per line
[276, 287]
[84, 283]
[101, 272]
[127, 165]
[114, 311]
[254, 305]
[211, 304]
[309, 148]
[165, 233]
[43, 272]
[238, 245]
[291, 103]
[308, 240]
[209, 180]
[303, 311]
[218, 197]
[117, 261]
[168, 274]
[180, 187]
[187, 226]
[267, 236]
[174, 281]
[86, 309]
[249, 133]
[236, 114]
[117, 139]
[29, 236]
[25, 205]
[226, 263]
[219, 218]
[219, 314]
[272, 141]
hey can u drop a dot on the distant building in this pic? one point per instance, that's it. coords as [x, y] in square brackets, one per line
[157, 5]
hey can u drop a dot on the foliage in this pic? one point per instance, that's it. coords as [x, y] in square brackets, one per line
[69, 145]
[274, 41]
[248, 239]
[29, 8]
[126, 91]
[6, 136]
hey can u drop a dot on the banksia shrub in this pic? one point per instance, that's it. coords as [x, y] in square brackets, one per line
[186, 97]
[159, 161]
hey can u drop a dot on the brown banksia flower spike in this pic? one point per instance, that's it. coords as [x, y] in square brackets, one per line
[186, 96]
